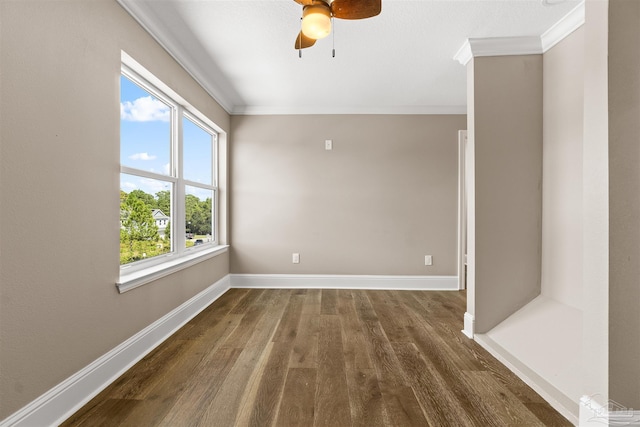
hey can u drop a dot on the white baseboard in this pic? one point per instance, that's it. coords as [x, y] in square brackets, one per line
[593, 414]
[558, 400]
[66, 398]
[330, 281]
[469, 325]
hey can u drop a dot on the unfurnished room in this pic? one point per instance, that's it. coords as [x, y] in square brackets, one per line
[319, 213]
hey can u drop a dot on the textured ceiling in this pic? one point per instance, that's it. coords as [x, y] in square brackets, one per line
[398, 62]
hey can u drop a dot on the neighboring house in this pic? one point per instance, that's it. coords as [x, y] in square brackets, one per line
[161, 220]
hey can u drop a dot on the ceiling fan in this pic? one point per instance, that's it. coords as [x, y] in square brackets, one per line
[317, 14]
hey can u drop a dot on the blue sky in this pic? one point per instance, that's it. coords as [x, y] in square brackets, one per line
[145, 130]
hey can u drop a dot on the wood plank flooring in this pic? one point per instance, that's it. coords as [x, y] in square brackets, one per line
[334, 358]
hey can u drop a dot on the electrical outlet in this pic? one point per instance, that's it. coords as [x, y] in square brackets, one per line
[295, 258]
[428, 260]
[328, 144]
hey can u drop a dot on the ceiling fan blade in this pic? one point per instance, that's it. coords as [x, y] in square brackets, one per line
[356, 9]
[303, 41]
[304, 2]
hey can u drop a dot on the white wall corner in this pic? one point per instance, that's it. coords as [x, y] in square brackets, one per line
[62, 401]
[561, 29]
[594, 414]
[330, 281]
[469, 324]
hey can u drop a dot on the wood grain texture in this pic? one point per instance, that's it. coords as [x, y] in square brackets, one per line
[272, 380]
[297, 404]
[437, 400]
[315, 357]
[305, 346]
[332, 398]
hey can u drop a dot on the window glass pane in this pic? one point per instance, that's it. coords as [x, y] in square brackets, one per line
[197, 153]
[145, 218]
[198, 221]
[145, 129]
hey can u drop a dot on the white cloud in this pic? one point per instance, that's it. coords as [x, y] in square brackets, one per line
[166, 169]
[142, 156]
[152, 186]
[145, 109]
[128, 186]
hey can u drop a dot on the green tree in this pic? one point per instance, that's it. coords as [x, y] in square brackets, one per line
[137, 222]
[207, 209]
[198, 215]
[146, 198]
[163, 201]
[192, 204]
[167, 231]
[203, 217]
[198, 225]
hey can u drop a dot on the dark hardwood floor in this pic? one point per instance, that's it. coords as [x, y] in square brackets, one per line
[321, 358]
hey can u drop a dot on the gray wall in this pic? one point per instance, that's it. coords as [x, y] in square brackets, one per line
[384, 197]
[506, 133]
[59, 169]
[624, 202]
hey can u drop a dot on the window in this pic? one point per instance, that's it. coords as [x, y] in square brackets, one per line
[168, 177]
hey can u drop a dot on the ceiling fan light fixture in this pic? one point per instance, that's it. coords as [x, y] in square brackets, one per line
[316, 21]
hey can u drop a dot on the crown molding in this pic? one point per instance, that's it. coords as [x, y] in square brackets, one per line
[498, 46]
[472, 47]
[404, 110]
[464, 54]
[533, 45]
[567, 25]
[142, 15]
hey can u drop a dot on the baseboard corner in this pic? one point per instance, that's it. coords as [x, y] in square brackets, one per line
[595, 414]
[469, 325]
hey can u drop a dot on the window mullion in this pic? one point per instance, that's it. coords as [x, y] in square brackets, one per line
[214, 160]
[146, 174]
[198, 184]
[214, 216]
[180, 209]
[216, 193]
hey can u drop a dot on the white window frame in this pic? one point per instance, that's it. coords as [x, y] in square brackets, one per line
[144, 271]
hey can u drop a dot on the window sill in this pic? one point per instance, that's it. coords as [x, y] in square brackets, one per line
[138, 278]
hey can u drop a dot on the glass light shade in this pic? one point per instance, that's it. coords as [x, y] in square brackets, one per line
[316, 21]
